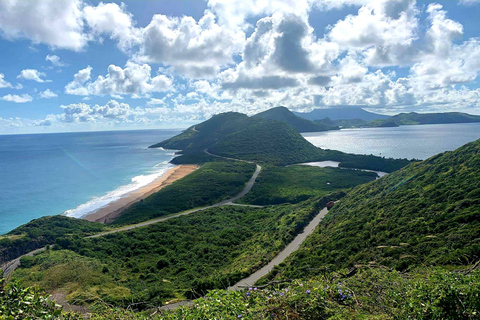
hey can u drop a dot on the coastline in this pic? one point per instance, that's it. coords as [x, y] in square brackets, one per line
[113, 209]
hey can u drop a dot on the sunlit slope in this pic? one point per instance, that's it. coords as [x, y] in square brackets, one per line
[425, 213]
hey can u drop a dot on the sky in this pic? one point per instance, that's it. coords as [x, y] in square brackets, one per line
[77, 65]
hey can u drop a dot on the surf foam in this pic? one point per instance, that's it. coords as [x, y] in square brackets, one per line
[101, 202]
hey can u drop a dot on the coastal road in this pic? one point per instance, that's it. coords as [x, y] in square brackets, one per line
[227, 202]
[10, 266]
[279, 258]
[289, 249]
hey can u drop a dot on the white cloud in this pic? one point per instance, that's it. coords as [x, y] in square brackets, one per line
[76, 86]
[48, 94]
[383, 30]
[469, 2]
[17, 98]
[196, 49]
[32, 74]
[55, 60]
[58, 24]
[3, 82]
[113, 20]
[134, 79]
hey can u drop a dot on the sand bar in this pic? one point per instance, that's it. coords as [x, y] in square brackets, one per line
[113, 209]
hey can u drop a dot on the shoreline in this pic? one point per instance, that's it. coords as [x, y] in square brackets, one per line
[113, 209]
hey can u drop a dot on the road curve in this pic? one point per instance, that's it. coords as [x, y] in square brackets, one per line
[10, 266]
[289, 249]
[279, 258]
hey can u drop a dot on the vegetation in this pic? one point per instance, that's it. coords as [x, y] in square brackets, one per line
[17, 302]
[261, 140]
[428, 213]
[210, 184]
[41, 232]
[297, 183]
[269, 141]
[176, 259]
[371, 293]
[341, 113]
[411, 118]
[297, 123]
[343, 123]
[414, 118]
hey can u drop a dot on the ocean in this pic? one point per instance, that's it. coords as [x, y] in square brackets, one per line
[411, 142]
[74, 173]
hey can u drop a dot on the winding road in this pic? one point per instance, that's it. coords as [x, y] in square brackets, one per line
[10, 266]
[293, 246]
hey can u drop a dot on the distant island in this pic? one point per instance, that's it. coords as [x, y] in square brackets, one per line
[190, 249]
[359, 118]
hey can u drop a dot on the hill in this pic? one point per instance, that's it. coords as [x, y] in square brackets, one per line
[262, 140]
[414, 118]
[298, 123]
[427, 213]
[341, 113]
[239, 136]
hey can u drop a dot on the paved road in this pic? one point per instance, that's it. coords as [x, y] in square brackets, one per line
[254, 277]
[289, 249]
[10, 266]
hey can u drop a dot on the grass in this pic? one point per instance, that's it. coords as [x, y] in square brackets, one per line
[297, 183]
[176, 259]
[210, 184]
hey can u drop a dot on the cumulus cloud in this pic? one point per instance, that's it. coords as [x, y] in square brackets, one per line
[197, 49]
[384, 30]
[32, 74]
[3, 82]
[134, 79]
[48, 94]
[55, 60]
[58, 24]
[113, 20]
[17, 98]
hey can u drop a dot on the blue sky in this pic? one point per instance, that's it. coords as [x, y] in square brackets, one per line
[76, 65]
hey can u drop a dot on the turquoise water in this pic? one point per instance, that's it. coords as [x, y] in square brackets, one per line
[411, 142]
[74, 173]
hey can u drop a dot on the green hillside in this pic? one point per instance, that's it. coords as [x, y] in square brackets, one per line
[262, 140]
[426, 213]
[201, 136]
[178, 258]
[267, 141]
[42, 231]
[298, 123]
[210, 184]
[293, 184]
[414, 118]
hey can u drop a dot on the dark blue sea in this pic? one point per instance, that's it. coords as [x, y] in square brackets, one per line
[74, 173]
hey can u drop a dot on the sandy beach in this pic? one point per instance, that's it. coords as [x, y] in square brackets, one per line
[112, 210]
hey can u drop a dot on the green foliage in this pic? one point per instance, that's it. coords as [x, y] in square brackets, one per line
[84, 279]
[40, 232]
[178, 258]
[269, 141]
[28, 303]
[297, 183]
[414, 118]
[210, 184]
[203, 135]
[372, 293]
[427, 213]
[297, 123]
